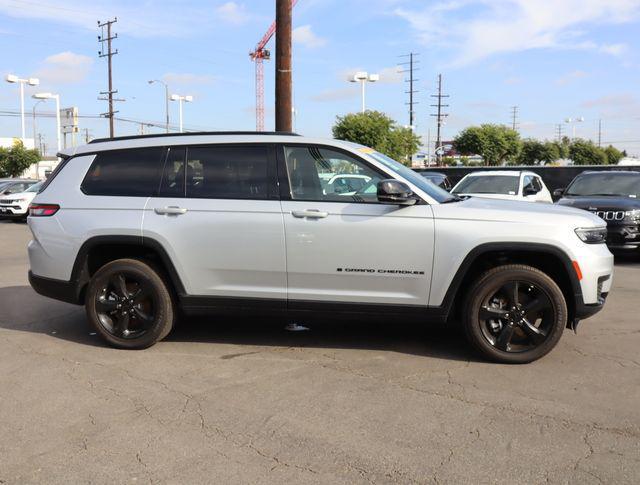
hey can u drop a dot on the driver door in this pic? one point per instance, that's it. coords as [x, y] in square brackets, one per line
[346, 246]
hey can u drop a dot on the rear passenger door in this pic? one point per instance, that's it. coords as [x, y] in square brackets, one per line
[218, 216]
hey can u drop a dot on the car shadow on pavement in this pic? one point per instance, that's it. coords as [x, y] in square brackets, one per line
[21, 309]
[629, 260]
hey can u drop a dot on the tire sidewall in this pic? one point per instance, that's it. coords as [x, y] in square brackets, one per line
[163, 301]
[493, 280]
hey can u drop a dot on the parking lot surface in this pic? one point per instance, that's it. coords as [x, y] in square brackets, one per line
[224, 401]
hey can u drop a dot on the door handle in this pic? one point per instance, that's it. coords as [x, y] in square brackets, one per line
[310, 214]
[172, 210]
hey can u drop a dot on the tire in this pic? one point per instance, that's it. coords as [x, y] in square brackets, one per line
[514, 314]
[130, 304]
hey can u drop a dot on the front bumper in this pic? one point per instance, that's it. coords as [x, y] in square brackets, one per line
[13, 211]
[623, 236]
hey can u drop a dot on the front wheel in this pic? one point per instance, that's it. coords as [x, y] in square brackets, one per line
[514, 314]
[129, 304]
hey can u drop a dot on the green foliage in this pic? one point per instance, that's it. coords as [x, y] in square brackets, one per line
[376, 130]
[613, 155]
[494, 143]
[534, 152]
[584, 152]
[448, 162]
[15, 160]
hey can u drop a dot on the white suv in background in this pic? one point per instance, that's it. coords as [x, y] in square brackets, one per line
[16, 206]
[136, 228]
[504, 184]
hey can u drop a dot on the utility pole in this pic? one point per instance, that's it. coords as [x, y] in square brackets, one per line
[440, 116]
[559, 131]
[514, 118]
[600, 132]
[87, 137]
[410, 70]
[108, 54]
[283, 66]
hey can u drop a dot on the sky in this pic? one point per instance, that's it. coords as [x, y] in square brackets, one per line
[553, 59]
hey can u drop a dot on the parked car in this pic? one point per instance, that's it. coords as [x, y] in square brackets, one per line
[10, 186]
[613, 196]
[138, 228]
[16, 206]
[504, 184]
[439, 179]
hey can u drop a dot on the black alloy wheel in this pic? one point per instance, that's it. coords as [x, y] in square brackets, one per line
[514, 314]
[130, 304]
[126, 305]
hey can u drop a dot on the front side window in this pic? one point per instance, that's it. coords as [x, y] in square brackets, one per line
[130, 173]
[227, 172]
[527, 183]
[322, 174]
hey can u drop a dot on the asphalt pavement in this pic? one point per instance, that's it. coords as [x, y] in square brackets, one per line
[230, 401]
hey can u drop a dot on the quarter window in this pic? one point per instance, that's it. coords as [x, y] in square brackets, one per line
[131, 173]
[321, 174]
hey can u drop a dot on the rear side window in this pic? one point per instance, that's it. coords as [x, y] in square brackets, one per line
[130, 173]
[227, 172]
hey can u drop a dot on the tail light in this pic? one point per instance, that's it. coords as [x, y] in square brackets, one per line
[43, 210]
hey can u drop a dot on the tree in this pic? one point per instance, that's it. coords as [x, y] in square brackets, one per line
[613, 155]
[535, 151]
[376, 130]
[15, 160]
[494, 143]
[584, 152]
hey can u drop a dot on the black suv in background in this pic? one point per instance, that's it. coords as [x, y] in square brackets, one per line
[613, 196]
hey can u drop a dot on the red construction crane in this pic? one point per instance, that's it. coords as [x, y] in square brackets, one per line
[259, 54]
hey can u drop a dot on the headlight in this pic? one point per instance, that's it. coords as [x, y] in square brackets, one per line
[592, 235]
[634, 214]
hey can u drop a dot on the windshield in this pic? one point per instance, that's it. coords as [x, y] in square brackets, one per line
[488, 184]
[4, 185]
[625, 185]
[34, 187]
[435, 192]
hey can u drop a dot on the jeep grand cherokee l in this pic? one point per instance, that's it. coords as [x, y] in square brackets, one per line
[614, 197]
[137, 228]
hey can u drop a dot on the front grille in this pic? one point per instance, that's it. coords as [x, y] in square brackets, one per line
[5, 201]
[609, 215]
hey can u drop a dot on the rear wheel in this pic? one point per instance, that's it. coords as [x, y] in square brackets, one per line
[129, 304]
[514, 314]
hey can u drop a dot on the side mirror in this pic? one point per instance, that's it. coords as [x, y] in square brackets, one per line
[558, 193]
[393, 191]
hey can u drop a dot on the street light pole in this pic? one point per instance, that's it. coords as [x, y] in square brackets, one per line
[362, 78]
[32, 81]
[166, 100]
[181, 99]
[45, 96]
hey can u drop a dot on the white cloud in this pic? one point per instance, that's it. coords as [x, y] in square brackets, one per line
[186, 78]
[305, 36]
[477, 29]
[614, 49]
[570, 77]
[391, 75]
[232, 13]
[65, 68]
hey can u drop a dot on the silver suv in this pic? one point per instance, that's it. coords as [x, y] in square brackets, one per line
[136, 228]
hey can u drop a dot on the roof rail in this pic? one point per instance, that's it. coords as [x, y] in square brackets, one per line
[194, 133]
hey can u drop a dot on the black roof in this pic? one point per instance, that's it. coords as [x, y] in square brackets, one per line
[194, 133]
[619, 172]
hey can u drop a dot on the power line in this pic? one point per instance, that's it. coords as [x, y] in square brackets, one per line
[109, 54]
[440, 116]
[411, 69]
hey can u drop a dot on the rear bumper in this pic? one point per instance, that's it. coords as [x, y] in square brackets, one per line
[56, 289]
